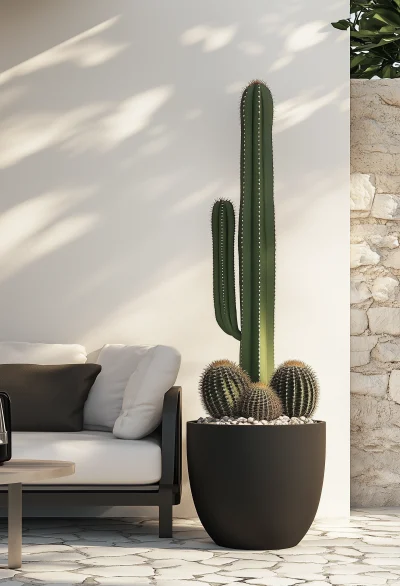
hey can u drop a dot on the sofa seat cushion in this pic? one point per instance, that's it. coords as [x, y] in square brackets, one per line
[100, 457]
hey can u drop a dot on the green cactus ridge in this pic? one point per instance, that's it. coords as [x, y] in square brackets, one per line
[222, 386]
[256, 241]
[297, 385]
[262, 403]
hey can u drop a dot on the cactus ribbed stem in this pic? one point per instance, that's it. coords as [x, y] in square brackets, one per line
[297, 386]
[261, 403]
[256, 241]
[222, 387]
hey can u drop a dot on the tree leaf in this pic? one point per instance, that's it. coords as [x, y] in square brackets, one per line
[374, 38]
[388, 16]
[386, 71]
[358, 59]
[341, 25]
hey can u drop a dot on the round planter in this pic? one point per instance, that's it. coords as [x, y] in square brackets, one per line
[256, 487]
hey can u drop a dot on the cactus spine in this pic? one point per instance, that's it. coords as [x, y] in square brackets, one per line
[222, 386]
[296, 384]
[256, 241]
[261, 403]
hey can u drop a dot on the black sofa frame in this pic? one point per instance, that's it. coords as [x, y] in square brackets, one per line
[165, 494]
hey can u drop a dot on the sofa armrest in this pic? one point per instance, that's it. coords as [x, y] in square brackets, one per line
[171, 443]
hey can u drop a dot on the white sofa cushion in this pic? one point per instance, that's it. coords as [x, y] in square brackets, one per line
[144, 394]
[104, 402]
[36, 353]
[100, 458]
[132, 378]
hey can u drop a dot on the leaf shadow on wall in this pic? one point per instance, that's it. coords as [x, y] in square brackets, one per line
[118, 132]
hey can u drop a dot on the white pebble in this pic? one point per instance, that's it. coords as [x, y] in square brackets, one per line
[250, 419]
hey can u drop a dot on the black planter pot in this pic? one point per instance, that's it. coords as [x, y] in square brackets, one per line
[256, 487]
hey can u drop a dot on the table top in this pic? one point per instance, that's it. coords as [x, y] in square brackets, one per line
[21, 471]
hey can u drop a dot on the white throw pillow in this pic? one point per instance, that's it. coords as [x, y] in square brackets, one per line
[37, 353]
[144, 394]
[104, 403]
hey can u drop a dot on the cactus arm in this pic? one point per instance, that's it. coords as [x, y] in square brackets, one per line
[223, 231]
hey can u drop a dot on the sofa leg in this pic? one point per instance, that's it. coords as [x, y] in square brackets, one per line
[165, 520]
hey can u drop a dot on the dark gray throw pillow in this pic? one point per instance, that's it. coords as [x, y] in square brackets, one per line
[47, 397]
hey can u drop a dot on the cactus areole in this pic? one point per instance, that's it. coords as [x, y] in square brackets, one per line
[256, 241]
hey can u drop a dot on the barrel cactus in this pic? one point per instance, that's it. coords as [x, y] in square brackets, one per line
[256, 241]
[297, 386]
[261, 402]
[222, 385]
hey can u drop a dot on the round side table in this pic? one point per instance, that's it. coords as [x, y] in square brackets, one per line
[15, 473]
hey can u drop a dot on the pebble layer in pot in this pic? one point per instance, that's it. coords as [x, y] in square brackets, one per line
[256, 464]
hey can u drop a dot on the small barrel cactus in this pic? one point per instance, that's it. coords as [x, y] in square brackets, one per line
[262, 403]
[222, 385]
[297, 386]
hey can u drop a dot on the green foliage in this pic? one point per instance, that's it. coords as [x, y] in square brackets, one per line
[222, 386]
[261, 402]
[256, 241]
[297, 386]
[374, 38]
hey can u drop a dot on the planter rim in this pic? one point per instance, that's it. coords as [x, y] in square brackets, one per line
[317, 421]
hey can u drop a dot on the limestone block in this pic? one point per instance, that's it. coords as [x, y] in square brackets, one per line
[386, 206]
[362, 254]
[389, 93]
[374, 162]
[360, 358]
[394, 386]
[393, 260]
[358, 321]
[361, 347]
[362, 191]
[374, 385]
[369, 413]
[385, 289]
[389, 241]
[378, 135]
[387, 351]
[359, 291]
[387, 183]
[384, 320]
[360, 232]
[363, 343]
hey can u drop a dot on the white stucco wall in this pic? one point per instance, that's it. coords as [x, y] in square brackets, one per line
[119, 128]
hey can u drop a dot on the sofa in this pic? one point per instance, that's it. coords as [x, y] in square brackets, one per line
[110, 470]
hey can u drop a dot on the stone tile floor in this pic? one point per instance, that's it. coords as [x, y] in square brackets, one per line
[363, 551]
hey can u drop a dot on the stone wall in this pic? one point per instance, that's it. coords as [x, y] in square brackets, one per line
[375, 292]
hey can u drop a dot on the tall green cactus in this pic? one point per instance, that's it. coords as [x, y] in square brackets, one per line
[256, 241]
